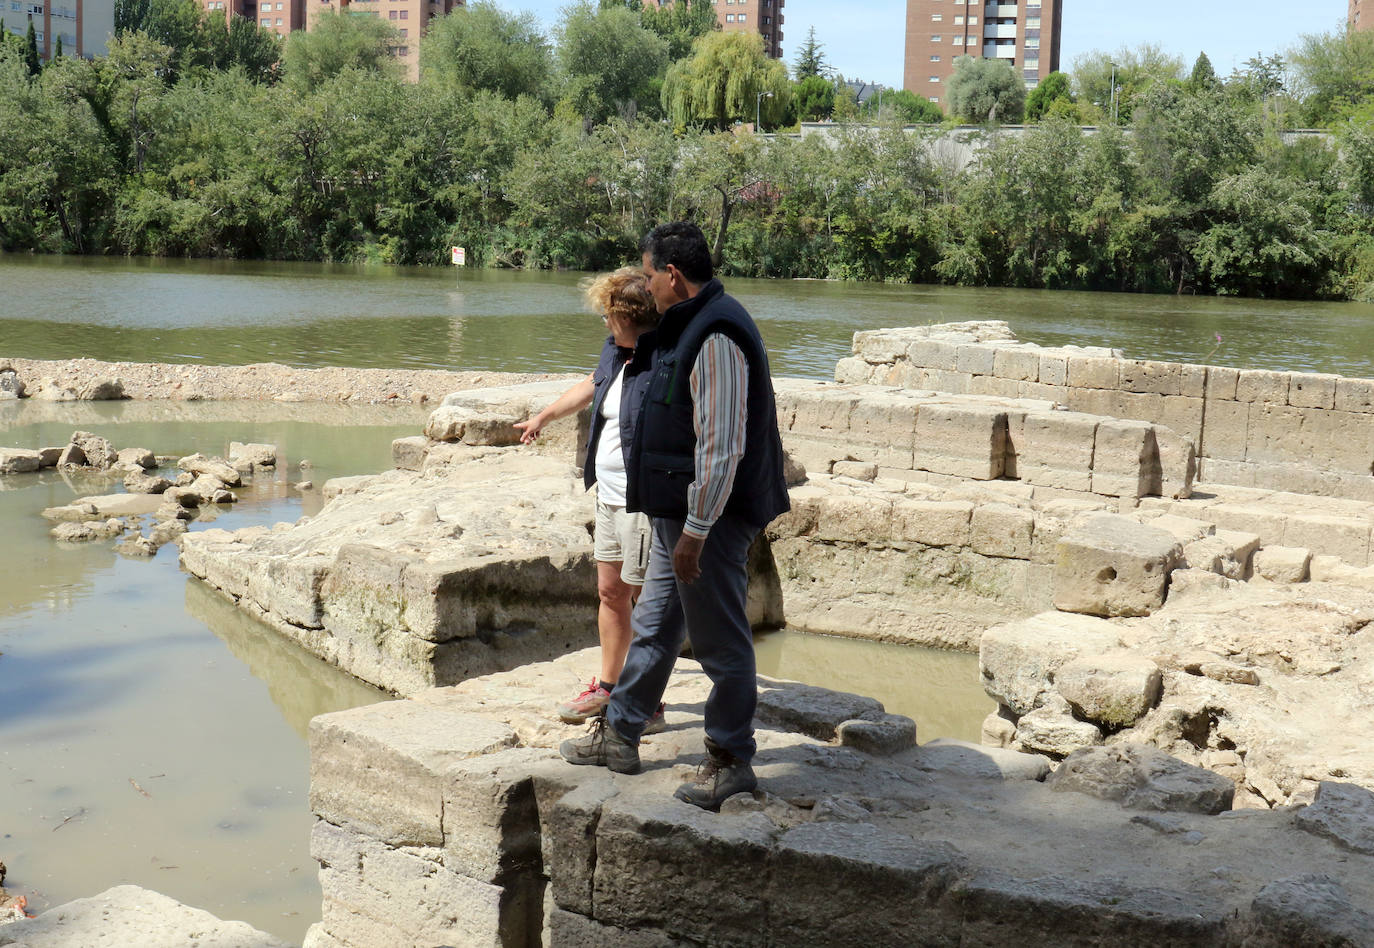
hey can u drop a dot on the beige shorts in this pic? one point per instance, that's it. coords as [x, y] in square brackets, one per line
[622, 537]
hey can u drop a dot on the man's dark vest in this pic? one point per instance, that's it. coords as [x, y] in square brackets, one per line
[663, 455]
[613, 359]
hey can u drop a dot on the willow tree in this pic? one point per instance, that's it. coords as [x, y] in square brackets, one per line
[727, 79]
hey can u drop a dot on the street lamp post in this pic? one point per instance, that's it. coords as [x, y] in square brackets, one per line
[758, 108]
[1113, 96]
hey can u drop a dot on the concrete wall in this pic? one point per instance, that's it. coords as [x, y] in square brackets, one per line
[1296, 431]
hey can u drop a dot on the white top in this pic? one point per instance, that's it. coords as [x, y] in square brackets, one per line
[611, 482]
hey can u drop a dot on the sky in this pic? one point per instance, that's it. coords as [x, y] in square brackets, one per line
[863, 39]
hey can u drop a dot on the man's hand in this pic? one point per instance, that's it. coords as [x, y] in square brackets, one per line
[687, 557]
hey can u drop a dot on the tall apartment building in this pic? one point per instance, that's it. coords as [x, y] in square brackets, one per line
[1025, 33]
[84, 26]
[754, 16]
[1355, 20]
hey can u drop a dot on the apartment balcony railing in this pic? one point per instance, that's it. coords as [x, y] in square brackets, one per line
[994, 10]
[999, 31]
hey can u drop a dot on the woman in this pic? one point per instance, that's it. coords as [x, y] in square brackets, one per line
[621, 539]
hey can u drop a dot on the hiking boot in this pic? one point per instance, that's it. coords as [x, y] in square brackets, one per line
[588, 704]
[601, 746]
[720, 776]
[656, 724]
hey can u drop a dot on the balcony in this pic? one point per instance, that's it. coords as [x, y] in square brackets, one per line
[999, 31]
[991, 51]
[994, 10]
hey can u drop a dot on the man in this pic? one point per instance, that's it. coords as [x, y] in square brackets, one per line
[706, 464]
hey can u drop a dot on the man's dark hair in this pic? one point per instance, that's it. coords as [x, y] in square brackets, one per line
[682, 244]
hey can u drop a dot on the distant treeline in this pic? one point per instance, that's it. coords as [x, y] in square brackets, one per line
[320, 151]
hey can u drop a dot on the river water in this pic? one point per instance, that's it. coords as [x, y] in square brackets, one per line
[399, 317]
[151, 733]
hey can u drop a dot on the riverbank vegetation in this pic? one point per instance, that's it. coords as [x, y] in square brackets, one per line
[190, 139]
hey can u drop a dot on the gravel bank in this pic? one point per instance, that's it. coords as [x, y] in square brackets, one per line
[259, 382]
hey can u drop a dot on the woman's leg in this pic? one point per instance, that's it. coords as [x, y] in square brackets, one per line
[613, 619]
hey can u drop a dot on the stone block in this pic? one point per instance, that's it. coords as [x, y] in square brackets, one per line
[380, 769]
[19, 461]
[903, 881]
[932, 522]
[1222, 383]
[1225, 429]
[376, 896]
[1141, 777]
[1109, 565]
[1002, 530]
[853, 371]
[1054, 369]
[1124, 459]
[992, 385]
[1053, 730]
[490, 820]
[1192, 380]
[1272, 432]
[880, 346]
[1306, 910]
[997, 731]
[572, 930]
[857, 470]
[568, 836]
[1346, 537]
[1225, 552]
[125, 916]
[1021, 364]
[952, 383]
[1261, 386]
[811, 710]
[933, 354]
[1018, 660]
[1267, 523]
[408, 454]
[1184, 529]
[1342, 813]
[854, 519]
[1093, 372]
[1283, 564]
[965, 441]
[1040, 392]
[649, 857]
[1160, 378]
[975, 360]
[1334, 441]
[1114, 689]
[1055, 449]
[1312, 390]
[1355, 395]
[1177, 464]
[824, 413]
[883, 735]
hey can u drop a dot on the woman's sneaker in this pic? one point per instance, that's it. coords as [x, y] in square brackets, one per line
[588, 704]
[656, 724]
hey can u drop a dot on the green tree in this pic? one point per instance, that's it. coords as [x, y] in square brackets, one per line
[337, 42]
[814, 96]
[1263, 241]
[245, 44]
[610, 64]
[1136, 71]
[810, 58]
[681, 23]
[482, 47]
[1203, 78]
[726, 79]
[903, 107]
[1333, 75]
[31, 50]
[57, 48]
[986, 90]
[1053, 88]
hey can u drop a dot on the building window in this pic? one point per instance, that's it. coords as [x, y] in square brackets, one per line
[936, 17]
[934, 78]
[392, 15]
[935, 98]
[278, 21]
[935, 59]
[729, 18]
[740, 18]
[405, 33]
[405, 14]
[1032, 22]
[958, 21]
[767, 19]
[266, 21]
[958, 41]
[973, 21]
[1033, 42]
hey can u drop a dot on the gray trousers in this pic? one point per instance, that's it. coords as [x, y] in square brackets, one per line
[711, 612]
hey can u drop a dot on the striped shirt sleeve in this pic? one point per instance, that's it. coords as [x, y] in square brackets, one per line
[720, 386]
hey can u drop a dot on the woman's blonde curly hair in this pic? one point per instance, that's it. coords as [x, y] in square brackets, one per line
[625, 294]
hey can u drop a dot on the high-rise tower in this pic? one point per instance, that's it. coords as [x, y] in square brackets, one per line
[1025, 33]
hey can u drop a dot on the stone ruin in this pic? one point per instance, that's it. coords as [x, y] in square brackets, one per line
[1165, 570]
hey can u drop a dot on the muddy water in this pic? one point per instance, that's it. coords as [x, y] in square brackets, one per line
[149, 732]
[152, 733]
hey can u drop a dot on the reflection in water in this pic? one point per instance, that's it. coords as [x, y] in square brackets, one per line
[300, 684]
[940, 690]
[235, 312]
